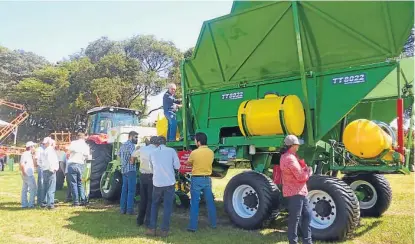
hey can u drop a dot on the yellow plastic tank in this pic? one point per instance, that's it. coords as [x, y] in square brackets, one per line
[261, 117]
[366, 139]
[162, 126]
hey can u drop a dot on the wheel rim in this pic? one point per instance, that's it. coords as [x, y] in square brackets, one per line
[245, 201]
[369, 192]
[323, 209]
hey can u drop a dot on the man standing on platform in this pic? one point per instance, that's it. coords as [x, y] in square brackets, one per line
[170, 107]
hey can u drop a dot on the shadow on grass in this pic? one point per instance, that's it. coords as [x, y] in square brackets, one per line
[366, 228]
[11, 206]
[108, 223]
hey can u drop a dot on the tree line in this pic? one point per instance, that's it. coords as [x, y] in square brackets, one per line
[106, 72]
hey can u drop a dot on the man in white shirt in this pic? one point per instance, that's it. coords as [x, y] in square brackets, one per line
[28, 175]
[79, 152]
[40, 190]
[163, 161]
[50, 164]
[146, 181]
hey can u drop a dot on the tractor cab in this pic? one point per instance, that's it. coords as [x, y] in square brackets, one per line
[105, 123]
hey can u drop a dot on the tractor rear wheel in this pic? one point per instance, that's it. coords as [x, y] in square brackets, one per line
[335, 208]
[114, 190]
[375, 191]
[249, 199]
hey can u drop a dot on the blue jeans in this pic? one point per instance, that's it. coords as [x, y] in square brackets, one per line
[29, 185]
[172, 126]
[49, 184]
[40, 188]
[167, 192]
[199, 184]
[68, 190]
[75, 171]
[299, 210]
[129, 181]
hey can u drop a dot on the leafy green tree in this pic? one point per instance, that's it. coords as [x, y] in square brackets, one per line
[17, 65]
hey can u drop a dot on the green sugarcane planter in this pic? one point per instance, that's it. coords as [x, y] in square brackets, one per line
[323, 71]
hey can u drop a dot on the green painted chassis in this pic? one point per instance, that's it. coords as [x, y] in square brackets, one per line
[325, 156]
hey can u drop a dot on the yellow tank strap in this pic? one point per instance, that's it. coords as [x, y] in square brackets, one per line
[281, 114]
[243, 120]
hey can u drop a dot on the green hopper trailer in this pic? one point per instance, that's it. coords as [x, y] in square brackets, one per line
[313, 69]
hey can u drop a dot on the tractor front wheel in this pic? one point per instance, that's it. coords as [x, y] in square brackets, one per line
[113, 191]
[335, 208]
[249, 199]
[373, 191]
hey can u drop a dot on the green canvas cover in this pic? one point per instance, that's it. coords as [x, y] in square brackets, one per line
[240, 6]
[257, 41]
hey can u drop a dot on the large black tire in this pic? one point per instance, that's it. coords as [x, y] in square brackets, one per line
[114, 191]
[241, 199]
[377, 191]
[101, 155]
[335, 208]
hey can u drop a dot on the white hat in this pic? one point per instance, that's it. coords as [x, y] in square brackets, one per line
[47, 140]
[291, 140]
[30, 144]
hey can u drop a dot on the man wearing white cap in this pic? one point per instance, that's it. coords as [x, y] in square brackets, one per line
[39, 154]
[29, 183]
[50, 164]
[79, 153]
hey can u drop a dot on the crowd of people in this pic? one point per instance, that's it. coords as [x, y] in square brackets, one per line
[46, 159]
[158, 166]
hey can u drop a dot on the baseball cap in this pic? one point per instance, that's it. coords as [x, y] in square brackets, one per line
[291, 140]
[47, 140]
[30, 144]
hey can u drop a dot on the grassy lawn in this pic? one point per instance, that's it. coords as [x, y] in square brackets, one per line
[101, 222]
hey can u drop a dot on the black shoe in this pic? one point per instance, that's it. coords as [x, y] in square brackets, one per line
[51, 207]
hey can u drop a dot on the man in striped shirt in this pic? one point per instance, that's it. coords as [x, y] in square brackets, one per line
[129, 174]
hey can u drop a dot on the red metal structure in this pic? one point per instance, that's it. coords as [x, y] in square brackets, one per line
[5, 131]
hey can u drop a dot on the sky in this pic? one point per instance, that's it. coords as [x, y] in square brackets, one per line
[56, 29]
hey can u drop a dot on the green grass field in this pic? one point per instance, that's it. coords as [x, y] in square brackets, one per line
[101, 222]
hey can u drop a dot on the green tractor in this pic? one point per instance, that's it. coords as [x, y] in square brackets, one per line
[328, 72]
[107, 128]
